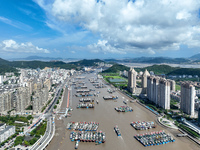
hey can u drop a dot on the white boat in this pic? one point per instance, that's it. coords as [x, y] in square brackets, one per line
[76, 144]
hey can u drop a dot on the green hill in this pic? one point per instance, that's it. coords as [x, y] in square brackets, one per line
[10, 66]
[41, 64]
[157, 69]
[116, 68]
[186, 71]
[6, 68]
[86, 62]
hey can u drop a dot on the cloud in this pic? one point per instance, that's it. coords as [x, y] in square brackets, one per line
[13, 46]
[130, 26]
[104, 47]
[16, 24]
[73, 52]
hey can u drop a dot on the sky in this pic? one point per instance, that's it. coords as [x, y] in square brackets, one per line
[99, 28]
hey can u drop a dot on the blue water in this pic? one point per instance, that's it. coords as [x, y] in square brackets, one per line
[117, 80]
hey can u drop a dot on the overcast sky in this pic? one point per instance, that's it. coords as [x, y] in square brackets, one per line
[99, 28]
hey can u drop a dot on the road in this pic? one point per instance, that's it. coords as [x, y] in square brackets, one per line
[46, 137]
[43, 141]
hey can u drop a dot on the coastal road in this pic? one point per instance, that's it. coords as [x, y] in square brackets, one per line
[46, 138]
[41, 144]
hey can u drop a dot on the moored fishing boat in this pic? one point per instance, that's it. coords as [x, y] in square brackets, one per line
[117, 130]
[76, 144]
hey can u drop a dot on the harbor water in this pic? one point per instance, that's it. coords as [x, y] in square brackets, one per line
[107, 117]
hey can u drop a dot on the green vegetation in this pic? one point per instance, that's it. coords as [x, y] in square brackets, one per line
[43, 108]
[178, 87]
[6, 68]
[189, 131]
[186, 71]
[30, 107]
[29, 117]
[10, 111]
[10, 120]
[85, 62]
[158, 69]
[61, 92]
[10, 66]
[57, 102]
[31, 142]
[35, 135]
[55, 106]
[40, 130]
[187, 79]
[116, 68]
[6, 82]
[121, 85]
[19, 140]
[173, 101]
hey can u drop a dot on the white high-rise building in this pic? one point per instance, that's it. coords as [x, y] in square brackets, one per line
[144, 82]
[132, 80]
[1, 79]
[158, 91]
[164, 94]
[199, 116]
[172, 85]
[187, 98]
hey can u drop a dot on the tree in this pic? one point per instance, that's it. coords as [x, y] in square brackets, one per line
[19, 140]
[26, 143]
[32, 141]
[29, 117]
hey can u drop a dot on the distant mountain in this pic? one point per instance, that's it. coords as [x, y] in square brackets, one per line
[157, 69]
[3, 62]
[5, 67]
[87, 62]
[29, 58]
[10, 66]
[158, 60]
[195, 57]
[151, 60]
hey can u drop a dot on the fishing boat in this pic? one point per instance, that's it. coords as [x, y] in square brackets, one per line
[76, 144]
[117, 130]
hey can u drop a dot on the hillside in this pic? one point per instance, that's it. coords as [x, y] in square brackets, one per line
[186, 71]
[195, 57]
[41, 64]
[157, 69]
[86, 62]
[6, 68]
[116, 68]
[9, 66]
[4, 62]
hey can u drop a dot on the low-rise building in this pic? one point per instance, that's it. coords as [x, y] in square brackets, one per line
[6, 133]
